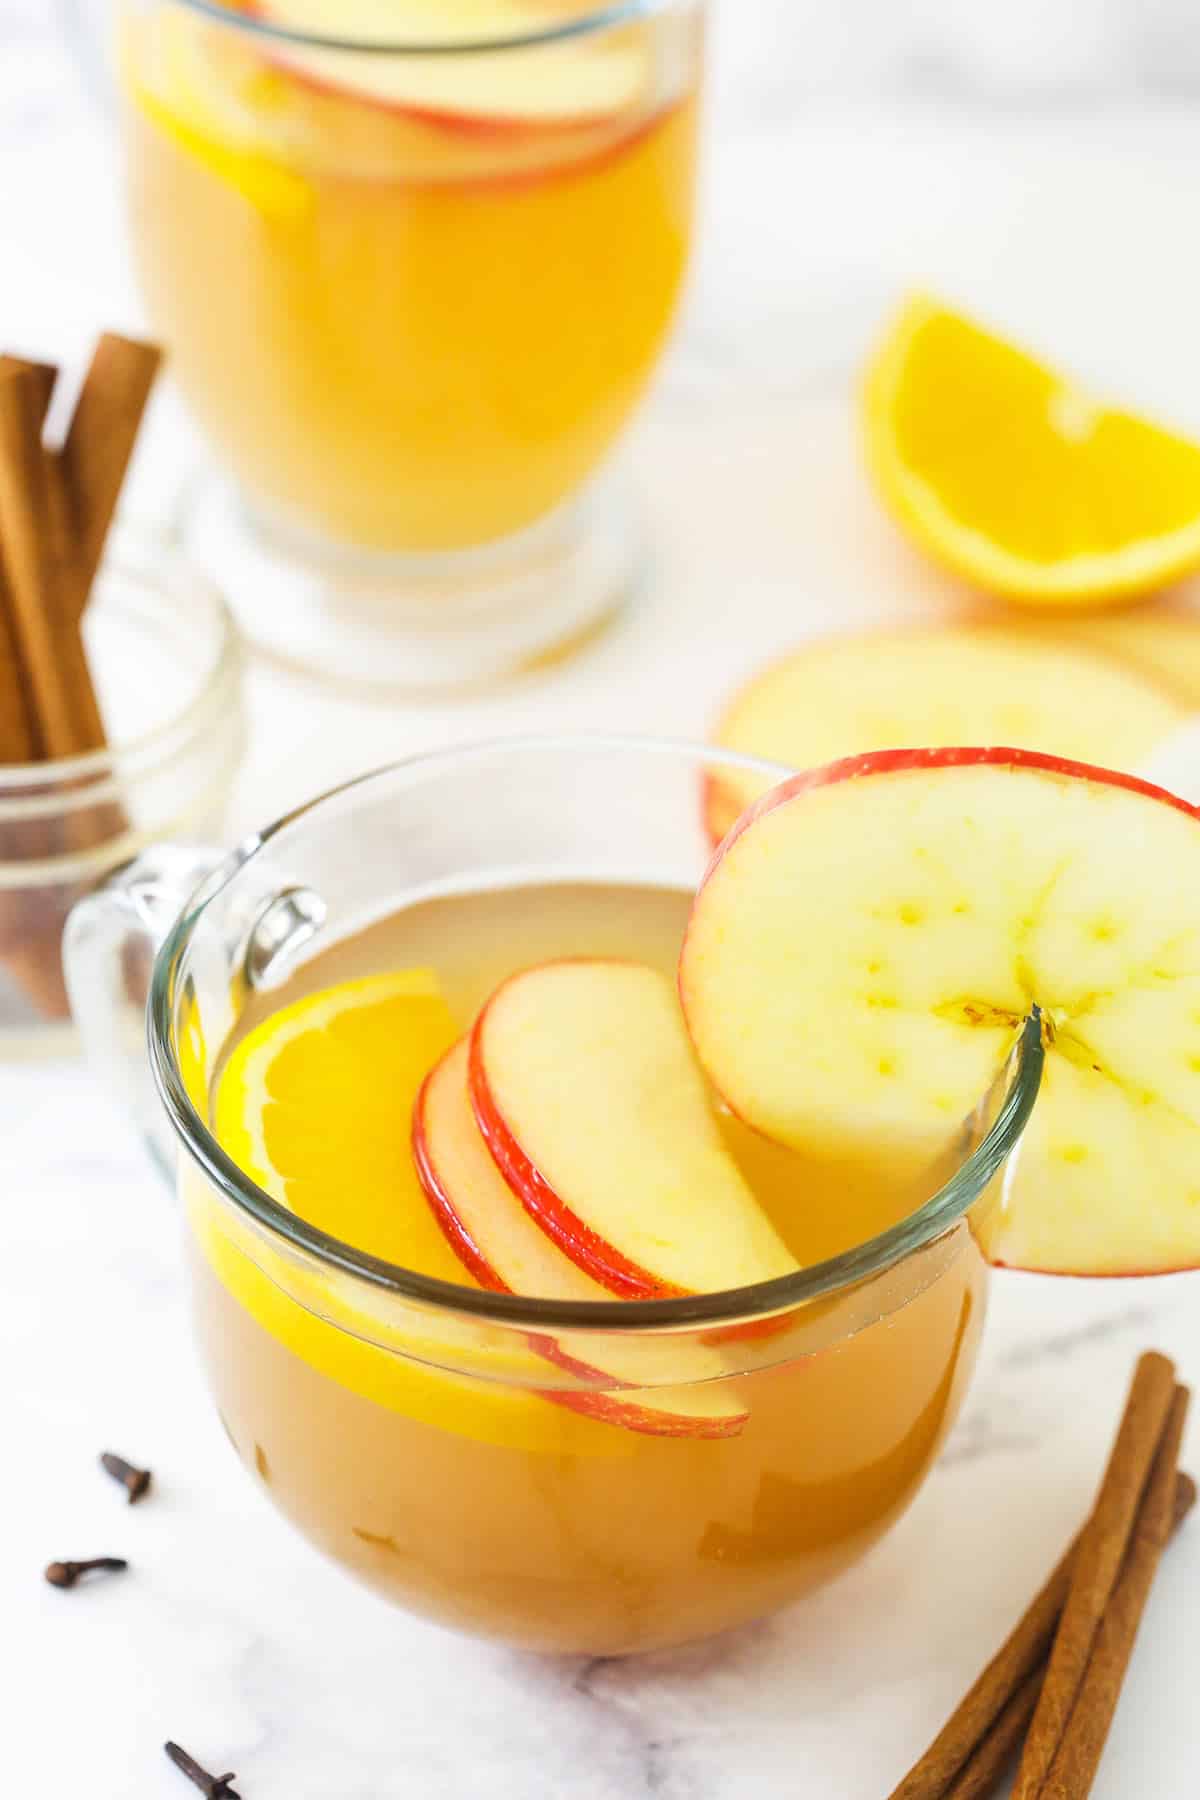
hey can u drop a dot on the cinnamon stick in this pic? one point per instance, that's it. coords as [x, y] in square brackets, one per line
[55, 511]
[1023, 1653]
[44, 374]
[1097, 1564]
[28, 532]
[19, 736]
[30, 917]
[1078, 1756]
[90, 470]
[982, 1771]
[17, 741]
[990, 1708]
[98, 445]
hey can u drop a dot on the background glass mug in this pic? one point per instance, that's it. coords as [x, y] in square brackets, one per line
[408, 1425]
[412, 292]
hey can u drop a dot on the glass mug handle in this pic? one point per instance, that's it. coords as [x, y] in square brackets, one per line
[109, 945]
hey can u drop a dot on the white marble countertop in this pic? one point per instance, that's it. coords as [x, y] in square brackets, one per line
[232, 1635]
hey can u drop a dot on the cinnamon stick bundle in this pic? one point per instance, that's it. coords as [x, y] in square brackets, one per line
[1101, 1552]
[56, 506]
[1081, 1746]
[1095, 1597]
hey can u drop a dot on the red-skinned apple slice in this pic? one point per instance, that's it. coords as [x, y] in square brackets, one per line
[570, 82]
[588, 1097]
[870, 934]
[839, 696]
[499, 1244]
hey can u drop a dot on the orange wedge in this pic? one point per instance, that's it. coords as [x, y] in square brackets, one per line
[1011, 475]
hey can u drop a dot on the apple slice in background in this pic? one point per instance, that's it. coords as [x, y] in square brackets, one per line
[575, 81]
[841, 696]
[589, 1098]
[499, 1244]
[870, 936]
[1160, 641]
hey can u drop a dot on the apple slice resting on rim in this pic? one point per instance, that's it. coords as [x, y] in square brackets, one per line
[589, 1098]
[572, 81]
[500, 1245]
[871, 934]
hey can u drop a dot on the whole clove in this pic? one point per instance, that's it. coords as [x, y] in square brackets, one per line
[135, 1481]
[66, 1574]
[213, 1787]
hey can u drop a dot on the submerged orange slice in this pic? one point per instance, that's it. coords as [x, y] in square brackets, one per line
[315, 1103]
[1016, 478]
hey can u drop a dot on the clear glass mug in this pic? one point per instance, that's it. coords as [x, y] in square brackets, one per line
[412, 291]
[407, 1425]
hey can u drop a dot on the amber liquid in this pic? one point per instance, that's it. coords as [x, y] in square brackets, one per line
[404, 332]
[580, 1534]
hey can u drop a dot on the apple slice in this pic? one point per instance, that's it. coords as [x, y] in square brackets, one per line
[225, 101]
[840, 696]
[1161, 642]
[590, 1101]
[572, 81]
[871, 934]
[499, 1244]
[485, 1224]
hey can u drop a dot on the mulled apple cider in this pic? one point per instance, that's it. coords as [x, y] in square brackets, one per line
[502, 1302]
[585, 1490]
[413, 263]
[590, 1231]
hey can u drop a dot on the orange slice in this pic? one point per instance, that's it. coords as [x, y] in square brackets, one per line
[1016, 478]
[315, 1105]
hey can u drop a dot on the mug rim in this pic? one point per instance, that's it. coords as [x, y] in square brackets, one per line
[598, 19]
[919, 1229]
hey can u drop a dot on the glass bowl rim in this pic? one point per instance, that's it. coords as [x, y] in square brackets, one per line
[598, 19]
[885, 1250]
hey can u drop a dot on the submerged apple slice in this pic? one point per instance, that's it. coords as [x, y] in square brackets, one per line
[573, 80]
[590, 1101]
[841, 696]
[868, 939]
[485, 1224]
[499, 1244]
